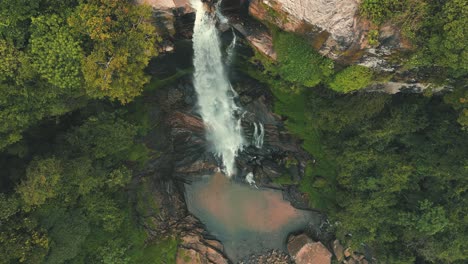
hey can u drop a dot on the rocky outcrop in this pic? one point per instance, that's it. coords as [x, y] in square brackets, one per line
[305, 251]
[403, 87]
[182, 6]
[331, 25]
[347, 256]
[272, 257]
[170, 218]
[337, 17]
[258, 36]
[335, 29]
[195, 248]
[169, 18]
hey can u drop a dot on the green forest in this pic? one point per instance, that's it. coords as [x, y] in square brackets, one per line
[391, 171]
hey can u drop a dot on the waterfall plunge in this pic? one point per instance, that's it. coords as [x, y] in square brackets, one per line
[215, 96]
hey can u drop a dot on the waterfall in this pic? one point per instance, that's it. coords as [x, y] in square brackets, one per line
[215, 97]
[258, 135]
[221, 17]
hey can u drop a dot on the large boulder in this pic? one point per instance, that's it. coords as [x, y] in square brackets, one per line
[305, 251]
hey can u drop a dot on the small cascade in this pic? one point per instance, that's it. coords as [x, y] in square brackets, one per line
[222, 19]
[249, 178]
[230, 48]
[258, 135]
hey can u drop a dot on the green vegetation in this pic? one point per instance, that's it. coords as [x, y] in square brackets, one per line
[437, 29]
[351, 79]
[373, 37]
[299, 62]
[389, 170]
[58, 55]
[68, 149]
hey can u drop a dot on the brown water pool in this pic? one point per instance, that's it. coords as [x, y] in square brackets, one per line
[245, 219]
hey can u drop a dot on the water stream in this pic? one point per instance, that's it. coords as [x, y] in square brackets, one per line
[215, 97]
[245, 218]
[258, 135]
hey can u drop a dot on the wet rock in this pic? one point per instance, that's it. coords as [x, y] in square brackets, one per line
[186, 121]
[174, 96]
[338, 250]
[305, 251]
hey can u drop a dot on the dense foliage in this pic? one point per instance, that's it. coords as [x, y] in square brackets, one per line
[389, 170]
[436, 28]
[298, 62]
[352, 78]
[57, 55]
[67, 158]
[400, 178]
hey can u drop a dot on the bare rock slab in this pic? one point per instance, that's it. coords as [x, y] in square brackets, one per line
[305, 251]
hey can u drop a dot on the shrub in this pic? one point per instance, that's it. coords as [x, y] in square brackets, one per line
[298, 62]
[352, 78]
[376, 10]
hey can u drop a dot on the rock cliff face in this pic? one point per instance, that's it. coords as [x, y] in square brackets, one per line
[337, 17]
[334, 28]
[332, 25]
[168, 4]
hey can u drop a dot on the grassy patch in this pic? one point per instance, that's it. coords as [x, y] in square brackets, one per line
[139, 153]
[284, 179]
[159, 252]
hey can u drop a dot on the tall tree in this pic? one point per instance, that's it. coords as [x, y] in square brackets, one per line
[123, 40]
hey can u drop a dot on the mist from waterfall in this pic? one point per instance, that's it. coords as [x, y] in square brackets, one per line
[215, 95]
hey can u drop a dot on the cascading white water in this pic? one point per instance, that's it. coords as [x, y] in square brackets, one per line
[215, 96]
[221, 17]
[258, 135]
[231, 48]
